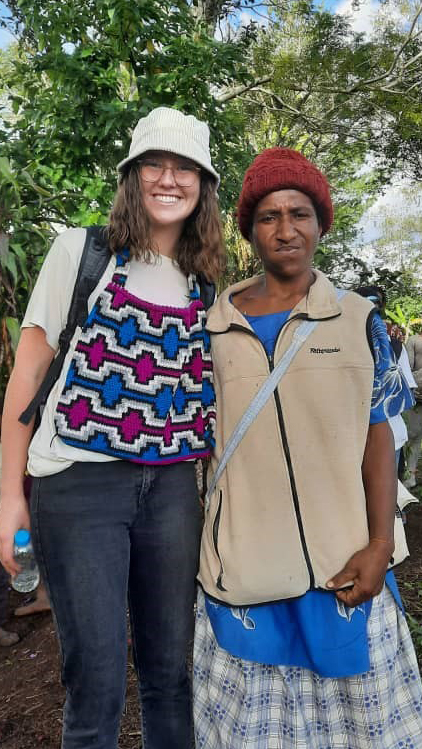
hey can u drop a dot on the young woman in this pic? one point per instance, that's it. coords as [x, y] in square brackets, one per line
[298, 642]
[114, 506]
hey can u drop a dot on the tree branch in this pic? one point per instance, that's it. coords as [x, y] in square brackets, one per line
[393, 65]
[239, 90]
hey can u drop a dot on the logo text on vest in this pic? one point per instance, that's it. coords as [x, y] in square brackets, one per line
[334, 350]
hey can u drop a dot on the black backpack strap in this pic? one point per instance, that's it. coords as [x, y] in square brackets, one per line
[94, 259]
[206, 291]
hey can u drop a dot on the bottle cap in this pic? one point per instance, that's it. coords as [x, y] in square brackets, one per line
[22, 537]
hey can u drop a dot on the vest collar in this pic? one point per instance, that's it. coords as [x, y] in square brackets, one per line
[320, 303]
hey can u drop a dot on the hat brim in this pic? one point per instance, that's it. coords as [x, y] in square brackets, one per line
[178, 148]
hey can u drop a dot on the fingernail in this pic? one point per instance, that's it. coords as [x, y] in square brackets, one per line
[330, 584]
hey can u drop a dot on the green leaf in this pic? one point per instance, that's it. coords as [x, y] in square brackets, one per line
[10, 265]
[87, 52]
[40, 190]
[5, 169]
[17, 249]
[13, 328]
[393, 316]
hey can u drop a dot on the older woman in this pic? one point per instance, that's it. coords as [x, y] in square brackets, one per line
[299, 642]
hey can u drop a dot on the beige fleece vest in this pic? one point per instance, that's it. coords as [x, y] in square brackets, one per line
[289, 510]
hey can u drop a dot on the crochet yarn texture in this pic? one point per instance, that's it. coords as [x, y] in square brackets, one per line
[139, 386]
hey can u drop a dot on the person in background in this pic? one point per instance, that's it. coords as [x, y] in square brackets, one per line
[115, 512]
[399, 357]
[397, 337]
[300, 639]
[414, 417]
[37, 605]
[397, 340]
[6, 638]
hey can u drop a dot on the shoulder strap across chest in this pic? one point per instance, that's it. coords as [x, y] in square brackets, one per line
[302, 332]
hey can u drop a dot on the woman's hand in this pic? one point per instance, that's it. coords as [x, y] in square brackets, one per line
[14, 514]
[364, 573]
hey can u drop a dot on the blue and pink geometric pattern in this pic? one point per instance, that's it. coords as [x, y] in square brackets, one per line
[140, 385]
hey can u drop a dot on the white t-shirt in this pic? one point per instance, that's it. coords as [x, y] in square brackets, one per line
[397, 423]
[404, 365]
[161, 282]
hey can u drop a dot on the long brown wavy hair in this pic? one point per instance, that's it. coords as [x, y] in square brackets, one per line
[201, 246]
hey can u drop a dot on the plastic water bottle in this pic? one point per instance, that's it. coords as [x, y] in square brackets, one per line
[28, 578]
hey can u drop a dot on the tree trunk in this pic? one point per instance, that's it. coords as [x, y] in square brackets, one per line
[209, 12]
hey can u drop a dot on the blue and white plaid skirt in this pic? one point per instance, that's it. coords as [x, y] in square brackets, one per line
[239, 704]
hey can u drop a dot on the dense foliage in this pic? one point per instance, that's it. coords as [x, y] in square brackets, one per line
[83, 71]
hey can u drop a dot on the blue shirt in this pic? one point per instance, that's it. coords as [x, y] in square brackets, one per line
[294, 632]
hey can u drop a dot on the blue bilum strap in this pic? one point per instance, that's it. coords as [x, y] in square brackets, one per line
[302, 332]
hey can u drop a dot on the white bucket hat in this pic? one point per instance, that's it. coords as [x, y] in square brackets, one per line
[166, 129]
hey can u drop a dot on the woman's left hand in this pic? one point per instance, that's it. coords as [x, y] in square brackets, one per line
[363, 574]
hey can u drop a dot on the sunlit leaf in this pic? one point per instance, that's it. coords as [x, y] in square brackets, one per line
[13, 328]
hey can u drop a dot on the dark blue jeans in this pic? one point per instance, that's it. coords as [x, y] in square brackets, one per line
[104, 532]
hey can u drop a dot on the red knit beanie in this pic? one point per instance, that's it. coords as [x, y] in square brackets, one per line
[283, 169]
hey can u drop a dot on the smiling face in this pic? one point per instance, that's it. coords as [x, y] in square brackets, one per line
[285, 233]
[168, 204]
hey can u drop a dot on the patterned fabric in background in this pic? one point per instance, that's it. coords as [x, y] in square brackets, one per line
[391, 394]
[139, 386]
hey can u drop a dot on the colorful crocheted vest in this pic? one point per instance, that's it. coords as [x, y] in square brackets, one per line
[139, 386]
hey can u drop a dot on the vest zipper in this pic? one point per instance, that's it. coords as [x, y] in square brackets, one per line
[215, 527]
[292, 481]
[286, 449]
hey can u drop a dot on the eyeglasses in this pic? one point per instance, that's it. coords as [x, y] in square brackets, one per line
[184, 175]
